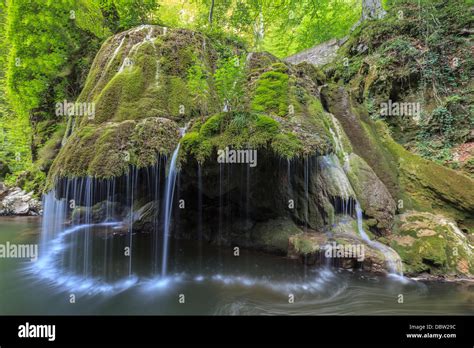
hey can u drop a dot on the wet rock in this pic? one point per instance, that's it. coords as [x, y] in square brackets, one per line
[15, 201]
[373, 196]
[433, 244]
[342, 250]
[273, 235]
[144, 217]
[98, 213]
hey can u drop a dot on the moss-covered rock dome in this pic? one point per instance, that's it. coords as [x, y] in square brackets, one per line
[147, 82]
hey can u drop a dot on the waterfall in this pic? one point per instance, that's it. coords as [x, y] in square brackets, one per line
[247, 194]
[391, 257]
[75, 249]
[168, 204]
[221, 200]
[332, 170]
[306, 191]
[132, 183]
[337, 138]
[200, 225]
[156, 173]
[341, 180]
[114, 54]
[168, 208]
[148, 38]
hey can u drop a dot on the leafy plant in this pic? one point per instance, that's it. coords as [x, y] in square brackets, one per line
[229, 79]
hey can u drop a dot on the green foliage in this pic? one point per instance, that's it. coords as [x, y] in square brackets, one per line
[293, 26]
[132, 13]
[41, 40]
[446, 126]
[46, 50]
[198, 86]
[434, 150]
[445, 121]
[15, 152]
[280, 27]
[415, 54]
[400, 45]
[229, 80]
[240, 121]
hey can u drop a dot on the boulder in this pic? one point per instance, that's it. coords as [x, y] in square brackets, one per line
[99, 212]
[433, 244]
[316, 248]
[374, 198]
[273, 235]
[15, 201]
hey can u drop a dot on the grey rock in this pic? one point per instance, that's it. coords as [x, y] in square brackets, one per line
[15, 201]
[318, 55]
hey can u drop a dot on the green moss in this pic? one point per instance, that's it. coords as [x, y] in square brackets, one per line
[49, 150]
[196, 145]
[108, 151]
[315, 74]
[108, 100]
[153, 136]
[271, 93]
[430, 186]
[315, 108]
[240, 130]
[176, 79]
[179, 97]
[267, 124]
[428, 243]
[286, 145]
[178, 51]
[112, 153]
[279, 67]
[426, 254]
[304, 246]
[213, 125]
[274, 235]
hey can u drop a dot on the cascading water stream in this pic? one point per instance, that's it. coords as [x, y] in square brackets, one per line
[168, 205]
[338, 141]
[392, 259]
[306, 191]
[200, 212]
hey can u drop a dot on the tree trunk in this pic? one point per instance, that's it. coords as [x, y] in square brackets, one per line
[211, 12]
[371, 9]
